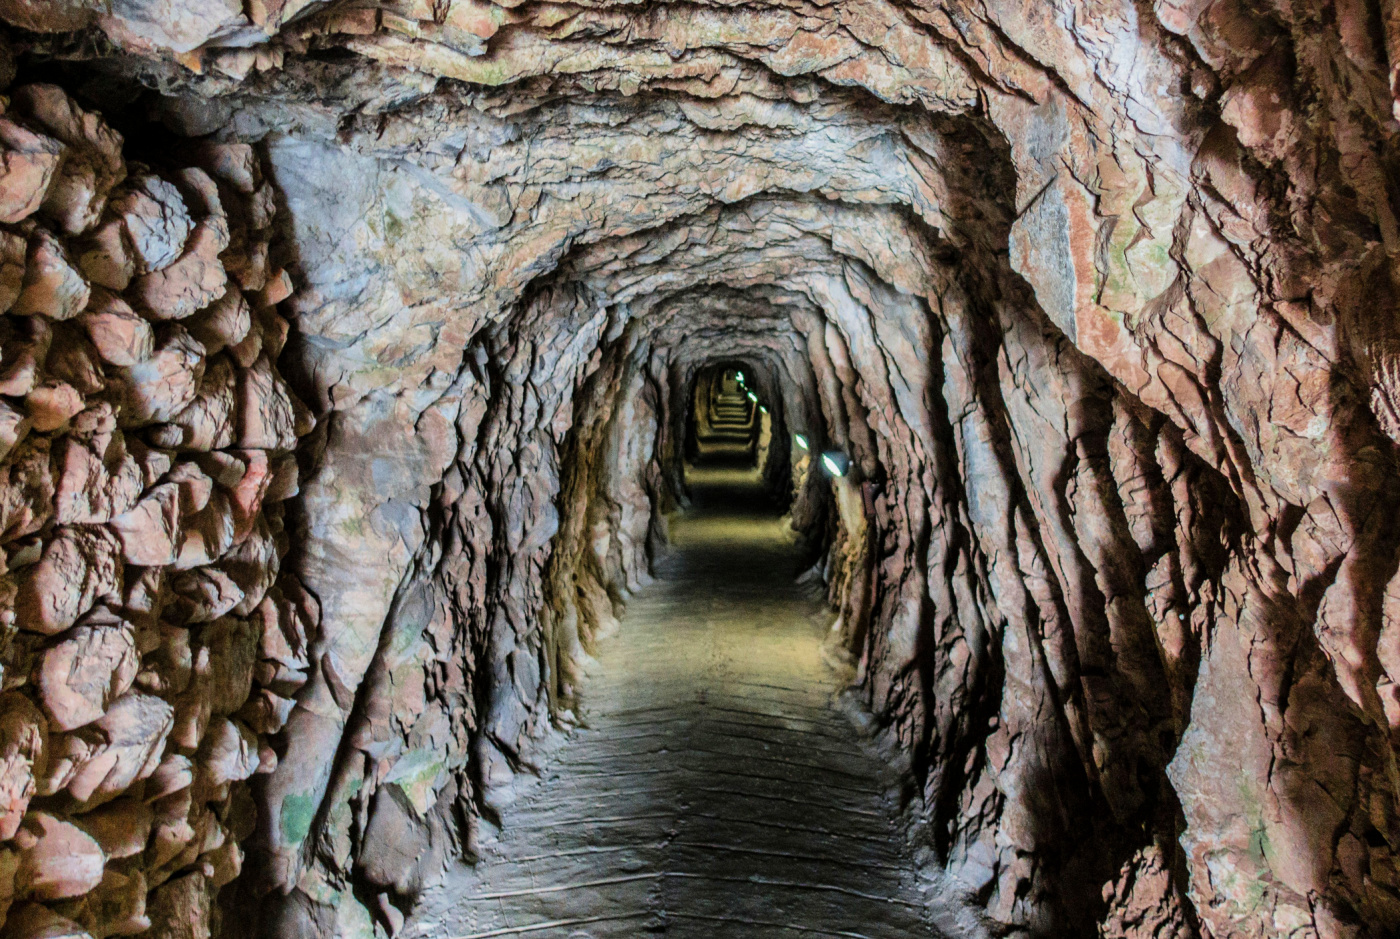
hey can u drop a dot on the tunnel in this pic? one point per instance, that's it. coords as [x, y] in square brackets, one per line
[481, 469]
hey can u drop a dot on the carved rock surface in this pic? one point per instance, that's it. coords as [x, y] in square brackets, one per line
[1099, 300]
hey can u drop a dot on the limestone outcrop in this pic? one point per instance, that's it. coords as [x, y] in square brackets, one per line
[1098, 298]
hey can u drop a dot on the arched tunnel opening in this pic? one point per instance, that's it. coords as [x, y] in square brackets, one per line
[727, 422]
[476, 469]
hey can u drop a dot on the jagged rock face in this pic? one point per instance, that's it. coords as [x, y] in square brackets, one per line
[149, 644]
[1099, 299]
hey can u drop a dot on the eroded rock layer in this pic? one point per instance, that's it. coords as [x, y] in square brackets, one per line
[1098, 298]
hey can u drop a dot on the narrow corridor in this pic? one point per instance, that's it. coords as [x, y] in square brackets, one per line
[716, 790]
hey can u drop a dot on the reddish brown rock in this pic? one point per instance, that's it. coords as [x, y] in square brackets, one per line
[92, 163]
[97, 479]
[134, 731]
[73, 361]
[20, 377]
[266, 712]
[27, 168]
[228, 752]
[201, 194]
[9, 868]
[255, 480]
[196, 486]
[157, 223]
[173, 829]
[66, 754]
[23, 743]
[249, 268]
[52, 404]
[14, 425]
[222, 864]
[224, 323]
[169, 662]
[121, 828]
[188, 285]
[84, 672]
[208, 422]
[166, 383]
[111, 539]
[120, 336]
[78, 566]
[105, 257]
[269, 416]
[57, 859]
[279, 287]
[235, 164]
[252, 564]
[117, 907]
[45, 16]
[52, 285]
[204, 594]
[287, 621]
[150, 531]
[228, 650]
[284, 481]
[13, 252]
[33, 921]
[176, 772]
[206, 535]
[180, 909]
[26, 489]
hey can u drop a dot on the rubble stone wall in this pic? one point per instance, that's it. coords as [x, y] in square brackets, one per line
[150, 641]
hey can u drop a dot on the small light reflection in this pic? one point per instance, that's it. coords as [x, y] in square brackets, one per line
[801, 441]
[836, 463]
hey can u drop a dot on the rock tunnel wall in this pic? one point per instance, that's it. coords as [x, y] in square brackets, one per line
[150, 641]
[1098, 298]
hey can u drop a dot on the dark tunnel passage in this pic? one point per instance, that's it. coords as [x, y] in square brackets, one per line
[716, 785]
[727, 421]
[871, 469]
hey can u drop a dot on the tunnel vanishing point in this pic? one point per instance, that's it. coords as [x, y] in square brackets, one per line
[864, 468]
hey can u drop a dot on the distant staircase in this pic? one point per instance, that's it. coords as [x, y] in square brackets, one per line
[729, 428]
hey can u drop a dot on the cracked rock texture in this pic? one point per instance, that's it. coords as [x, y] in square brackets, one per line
[149, 644]
[1099, 298]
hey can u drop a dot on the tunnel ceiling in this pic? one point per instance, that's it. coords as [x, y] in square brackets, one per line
[354, 365]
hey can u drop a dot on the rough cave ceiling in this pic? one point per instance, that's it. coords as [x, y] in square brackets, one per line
[1099, 296]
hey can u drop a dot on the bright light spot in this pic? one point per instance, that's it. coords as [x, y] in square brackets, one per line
[801, 441]
[739, 377]
[753, 397]
[836, 463]
[762, 409]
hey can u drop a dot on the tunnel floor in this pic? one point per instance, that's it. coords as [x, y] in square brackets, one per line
[716, 789]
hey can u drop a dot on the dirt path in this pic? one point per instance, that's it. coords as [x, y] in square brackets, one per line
[716, 791]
